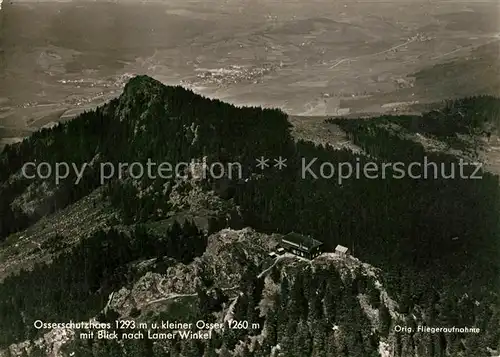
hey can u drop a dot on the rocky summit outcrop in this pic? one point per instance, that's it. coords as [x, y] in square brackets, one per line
[227, 255]
[340, 299]
[225, 264]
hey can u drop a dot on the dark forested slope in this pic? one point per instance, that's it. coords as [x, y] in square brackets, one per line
[435, 239]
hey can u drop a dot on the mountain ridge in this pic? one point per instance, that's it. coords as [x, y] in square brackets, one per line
[102, 249]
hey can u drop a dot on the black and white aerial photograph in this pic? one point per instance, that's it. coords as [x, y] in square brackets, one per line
[249, 178]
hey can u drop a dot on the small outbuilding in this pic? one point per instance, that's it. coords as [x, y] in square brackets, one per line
[342, 251]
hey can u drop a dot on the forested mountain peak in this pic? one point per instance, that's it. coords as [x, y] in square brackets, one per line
[86, 247]
[286, 299]
[142, 94]
[142, 85]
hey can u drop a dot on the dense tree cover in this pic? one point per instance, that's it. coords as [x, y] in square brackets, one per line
[304, 311]
[451, 222]
[397, 224]
[75, 142]
[76, 284]
[149, 122]
[473, 115]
